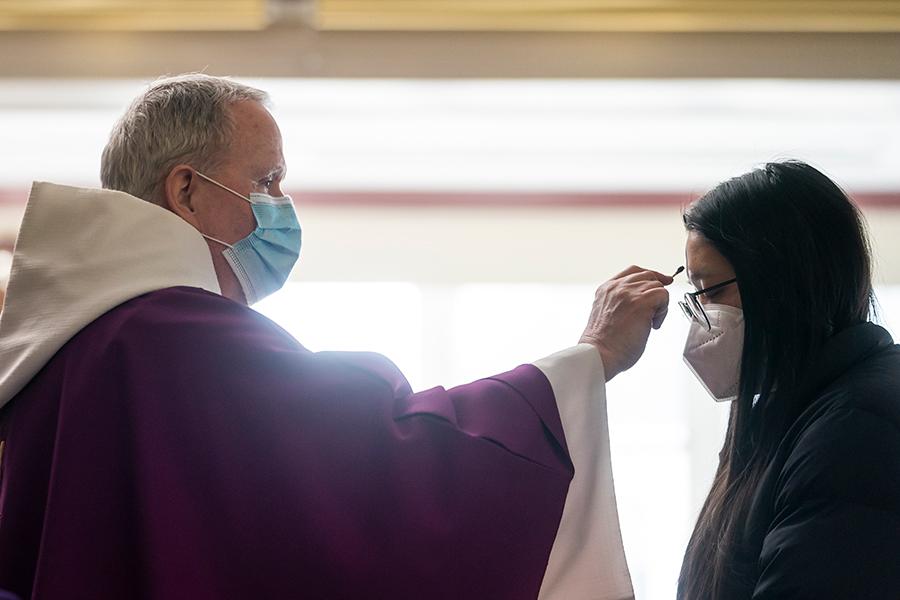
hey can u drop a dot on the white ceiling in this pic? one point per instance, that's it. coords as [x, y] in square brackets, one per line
[535, 135]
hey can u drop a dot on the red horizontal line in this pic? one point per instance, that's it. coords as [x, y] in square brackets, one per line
[533, 199]
[13, 197]
[491, 199]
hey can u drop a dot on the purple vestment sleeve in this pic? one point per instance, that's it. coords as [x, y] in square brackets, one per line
[495, 409]
[183, 446]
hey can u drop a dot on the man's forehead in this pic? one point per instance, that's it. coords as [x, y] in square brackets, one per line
[256, 140]
[253, 121]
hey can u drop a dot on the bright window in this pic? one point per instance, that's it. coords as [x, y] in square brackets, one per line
[666, 431]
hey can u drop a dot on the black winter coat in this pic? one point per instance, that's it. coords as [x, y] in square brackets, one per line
[825, 519]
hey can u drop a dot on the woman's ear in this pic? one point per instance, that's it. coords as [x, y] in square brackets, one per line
[178, 193]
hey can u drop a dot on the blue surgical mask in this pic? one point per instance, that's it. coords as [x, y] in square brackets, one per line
[263, 260]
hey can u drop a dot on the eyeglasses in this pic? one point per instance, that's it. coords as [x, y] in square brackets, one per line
[693, 309]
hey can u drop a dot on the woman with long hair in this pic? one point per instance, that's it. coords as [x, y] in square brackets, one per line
[805, 502]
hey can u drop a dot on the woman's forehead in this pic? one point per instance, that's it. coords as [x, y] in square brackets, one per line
[703, 260]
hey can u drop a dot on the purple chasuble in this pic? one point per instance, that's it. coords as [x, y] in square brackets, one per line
[184, 446]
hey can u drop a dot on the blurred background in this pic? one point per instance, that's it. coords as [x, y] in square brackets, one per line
[468, 171]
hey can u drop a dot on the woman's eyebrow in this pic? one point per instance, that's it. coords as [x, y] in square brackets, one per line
[696, 277]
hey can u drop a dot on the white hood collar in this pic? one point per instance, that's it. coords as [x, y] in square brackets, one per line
[79, 253]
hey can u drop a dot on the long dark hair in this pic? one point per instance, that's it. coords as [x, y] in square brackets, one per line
[799, 250]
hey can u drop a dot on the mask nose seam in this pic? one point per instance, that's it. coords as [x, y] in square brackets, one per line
[712, 339]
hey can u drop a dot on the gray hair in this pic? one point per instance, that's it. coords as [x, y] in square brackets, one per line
[181, 119]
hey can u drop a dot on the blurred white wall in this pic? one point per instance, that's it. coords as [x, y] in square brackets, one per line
[563, 245]
[568, 136]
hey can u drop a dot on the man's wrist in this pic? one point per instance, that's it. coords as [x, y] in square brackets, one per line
[607, 357]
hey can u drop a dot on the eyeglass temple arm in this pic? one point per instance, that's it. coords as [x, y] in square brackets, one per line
[713, 288]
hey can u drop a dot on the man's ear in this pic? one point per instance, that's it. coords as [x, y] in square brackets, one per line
[178, 192]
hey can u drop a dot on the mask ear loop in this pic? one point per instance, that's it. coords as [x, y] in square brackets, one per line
[227, 189]
[212, 239]
[224, 187]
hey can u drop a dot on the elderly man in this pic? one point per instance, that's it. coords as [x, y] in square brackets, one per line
[162, 440]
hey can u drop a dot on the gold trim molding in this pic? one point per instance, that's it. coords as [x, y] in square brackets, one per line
[839, 16]
[132, 15]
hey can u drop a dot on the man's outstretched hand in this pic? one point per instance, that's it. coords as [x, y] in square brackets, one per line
[625, 308]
